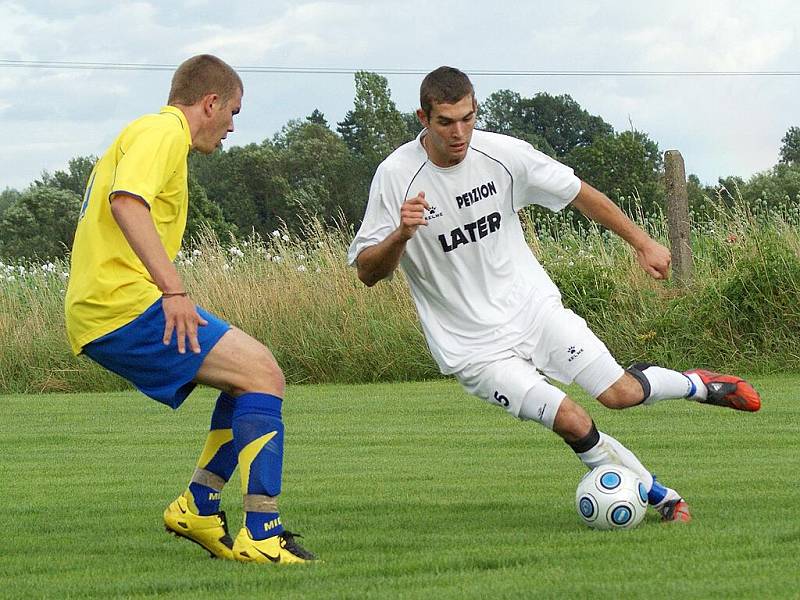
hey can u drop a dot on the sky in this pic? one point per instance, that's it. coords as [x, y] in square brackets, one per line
[722, 124]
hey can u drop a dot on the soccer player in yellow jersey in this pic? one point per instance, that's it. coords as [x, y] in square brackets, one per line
[128, 310]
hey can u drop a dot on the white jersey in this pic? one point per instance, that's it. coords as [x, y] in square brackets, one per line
[471, 272]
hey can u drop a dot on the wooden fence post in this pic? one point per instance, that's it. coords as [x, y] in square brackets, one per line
[678, 217]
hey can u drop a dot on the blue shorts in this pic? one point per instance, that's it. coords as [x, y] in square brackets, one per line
[136, 352]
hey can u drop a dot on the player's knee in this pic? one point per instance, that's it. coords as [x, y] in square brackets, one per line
[258, 372]
[267, 374]
[625, 392]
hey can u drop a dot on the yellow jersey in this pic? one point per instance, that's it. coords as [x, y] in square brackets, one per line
[108, 285]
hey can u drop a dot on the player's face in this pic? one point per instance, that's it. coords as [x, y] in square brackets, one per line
[219, 124]
[450, 129]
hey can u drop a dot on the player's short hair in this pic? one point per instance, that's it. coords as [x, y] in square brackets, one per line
[202, 75]
[444, 85]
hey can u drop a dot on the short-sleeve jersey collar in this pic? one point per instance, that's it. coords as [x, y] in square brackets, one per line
[172, 110]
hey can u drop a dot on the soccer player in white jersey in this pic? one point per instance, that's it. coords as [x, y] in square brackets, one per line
[444, 208]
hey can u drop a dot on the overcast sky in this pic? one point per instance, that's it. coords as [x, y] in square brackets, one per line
[723, 125]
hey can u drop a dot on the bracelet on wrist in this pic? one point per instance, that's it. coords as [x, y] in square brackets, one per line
[171, 294]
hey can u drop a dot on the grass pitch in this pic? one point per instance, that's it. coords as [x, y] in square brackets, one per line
[404, 491]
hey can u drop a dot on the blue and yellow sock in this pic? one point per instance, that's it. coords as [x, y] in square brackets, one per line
[258, 437]
[217, 460]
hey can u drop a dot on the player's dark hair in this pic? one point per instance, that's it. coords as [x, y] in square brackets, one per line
[444, 85]
[202, 75]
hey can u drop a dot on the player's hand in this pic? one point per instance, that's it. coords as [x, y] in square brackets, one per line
[655, 259]
[412, 215]
[182, 318]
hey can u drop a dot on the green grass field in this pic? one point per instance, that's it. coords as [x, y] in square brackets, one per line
[405, 491]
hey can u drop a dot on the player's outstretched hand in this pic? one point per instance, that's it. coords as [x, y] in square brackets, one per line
[655, 259]
[183, 319]
[412, 215]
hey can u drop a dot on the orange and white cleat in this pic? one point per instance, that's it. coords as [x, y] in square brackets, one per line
[728, 390]
[675, 511]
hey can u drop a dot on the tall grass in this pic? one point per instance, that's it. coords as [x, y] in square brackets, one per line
[297, 295]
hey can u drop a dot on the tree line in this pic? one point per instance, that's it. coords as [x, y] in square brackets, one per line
[310, 169]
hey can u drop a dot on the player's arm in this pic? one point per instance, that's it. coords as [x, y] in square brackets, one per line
[379, 261]
[133, 217]
[652, 256]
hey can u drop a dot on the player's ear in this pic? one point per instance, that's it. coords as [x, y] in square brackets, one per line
[423, 118]
[207, 103]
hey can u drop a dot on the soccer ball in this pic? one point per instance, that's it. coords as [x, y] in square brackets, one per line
[611, 497]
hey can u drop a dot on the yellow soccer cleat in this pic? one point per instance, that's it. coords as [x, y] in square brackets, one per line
[210, 532]
[279, 549]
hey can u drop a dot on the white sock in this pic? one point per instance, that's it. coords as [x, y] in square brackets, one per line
[700, 389]
[610, 451]
[667, 384]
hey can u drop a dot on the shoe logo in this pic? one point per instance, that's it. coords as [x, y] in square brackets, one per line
[275, 559]
[272, 524]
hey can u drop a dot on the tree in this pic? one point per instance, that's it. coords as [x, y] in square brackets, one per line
[413, 125]
[74, 179]
[503, 112]
[7, 198]
[40, 224]
[320, 171]
[249, 186]
[622, 165]
[204, 214]
[563, 123]
[778, 187]
[790, 147]
[374, 128]
[553, 124]
[318, 118]
[696, 193]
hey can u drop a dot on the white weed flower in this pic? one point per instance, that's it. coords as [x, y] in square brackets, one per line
[301, 269]
[277, 259]
[196, 252]
[276, 233]
[285, 237]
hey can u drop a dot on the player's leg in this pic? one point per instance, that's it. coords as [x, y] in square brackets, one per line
[246, 370]
[569, 351]
[595, 448]
[136, 352]
[516, 385]
[195, 513]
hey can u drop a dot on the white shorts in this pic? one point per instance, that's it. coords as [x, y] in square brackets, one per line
[558, 345]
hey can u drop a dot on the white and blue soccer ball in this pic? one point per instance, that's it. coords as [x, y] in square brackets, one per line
[611, 497]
